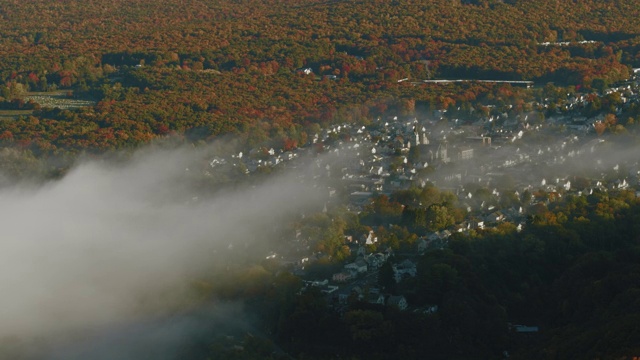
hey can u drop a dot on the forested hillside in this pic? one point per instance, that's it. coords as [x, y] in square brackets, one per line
[572, 272]
[204, 68]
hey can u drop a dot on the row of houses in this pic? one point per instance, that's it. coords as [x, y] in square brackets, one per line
[362, 264]
[371, 295]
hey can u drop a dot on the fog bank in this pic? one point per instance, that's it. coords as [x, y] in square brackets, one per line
[85, 251]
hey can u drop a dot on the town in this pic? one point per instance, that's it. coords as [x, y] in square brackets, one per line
[497, 168]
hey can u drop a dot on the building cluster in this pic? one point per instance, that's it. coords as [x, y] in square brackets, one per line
[498, 166]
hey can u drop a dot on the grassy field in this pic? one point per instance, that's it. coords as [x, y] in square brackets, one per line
[53, 99]
[14, 113]
[59, 99]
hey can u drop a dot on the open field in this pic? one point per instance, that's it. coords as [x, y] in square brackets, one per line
[57, 99]
[54, 99]
[14, 113]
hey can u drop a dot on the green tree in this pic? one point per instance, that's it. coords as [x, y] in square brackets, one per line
[439, 218]
[386, 277]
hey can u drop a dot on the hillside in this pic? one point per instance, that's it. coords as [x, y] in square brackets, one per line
[203, 69]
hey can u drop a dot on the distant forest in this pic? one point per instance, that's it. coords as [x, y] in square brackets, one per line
[200, 69]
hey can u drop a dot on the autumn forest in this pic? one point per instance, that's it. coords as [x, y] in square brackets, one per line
[200, 69]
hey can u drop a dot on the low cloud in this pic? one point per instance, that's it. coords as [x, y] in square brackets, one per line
[167, 338]
[81, 252]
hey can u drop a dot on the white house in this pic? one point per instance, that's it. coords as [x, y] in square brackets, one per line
[358, 266]
[422, 245]
[371, 238]
[343, 276]
[404, 269]
[375, 260]
[376, 299]
[398, 301]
